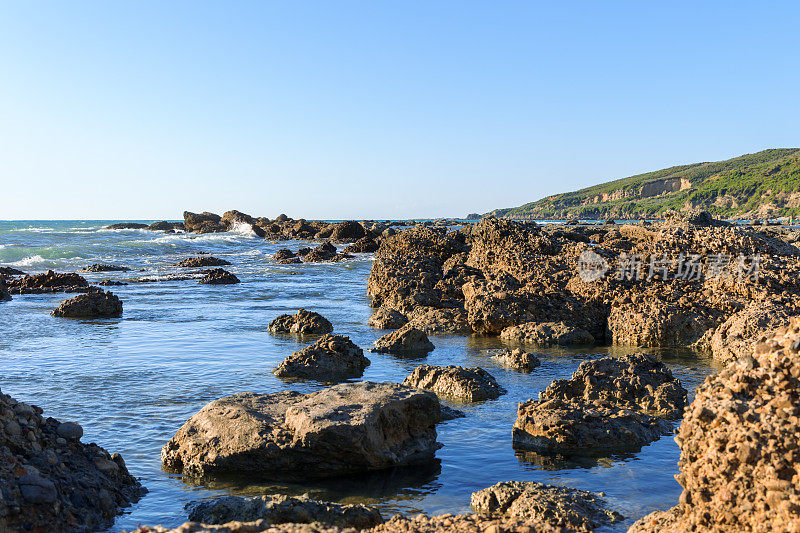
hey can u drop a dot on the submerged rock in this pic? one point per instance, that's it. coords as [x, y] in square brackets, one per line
[332, 358]
[169, 227]
[202, 261]
[406, 340]
[104, 268]
[387, 318]
[465, 384]
[324, 252]
[739, 453]
[286, 257]
[218, 276]
[50, 481]
[280, 509]
[546, 333]
[517, 359]
[347, 428]
[95, 304]
[303, 323]
[537, 503]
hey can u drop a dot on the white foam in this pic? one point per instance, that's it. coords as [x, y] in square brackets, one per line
[243, 228]
[29, 261]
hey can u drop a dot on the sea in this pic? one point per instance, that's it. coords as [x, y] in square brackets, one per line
[131, 382]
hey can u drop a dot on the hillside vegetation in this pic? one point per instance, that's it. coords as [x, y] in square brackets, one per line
[761, 185]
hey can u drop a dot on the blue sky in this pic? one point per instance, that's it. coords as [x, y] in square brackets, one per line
[375, 109]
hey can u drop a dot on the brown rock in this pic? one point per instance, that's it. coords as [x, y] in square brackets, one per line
[406, 340]
[465, 384]
[332, 358]
[301, 323]
[95, 304]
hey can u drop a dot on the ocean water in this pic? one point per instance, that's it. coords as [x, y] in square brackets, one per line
[132, 382]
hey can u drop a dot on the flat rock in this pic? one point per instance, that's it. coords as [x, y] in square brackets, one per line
[517, 359]
[95, 304]
[546, 334]
[104, 268]
[465, 384]
[301, 323]
[218, 276]
[332, 358]
[406, 340]
[48, 282]
[279, 509]
[572, 509]
[346, 428]
[202, 261]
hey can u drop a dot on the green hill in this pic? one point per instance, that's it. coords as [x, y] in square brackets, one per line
[761, 185]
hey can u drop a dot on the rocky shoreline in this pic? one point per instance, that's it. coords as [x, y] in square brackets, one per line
[530, 286]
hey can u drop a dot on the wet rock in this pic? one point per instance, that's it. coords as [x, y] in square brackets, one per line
[322, 253]
[639, 382]
[364, 245]
[70, 430]
[577, 426]
[204, 222]
[517, 359]
[302, 323]
[406, 340]
[279, 509]
[95, 304]
[739, 453]
[332, 358]
[104, 268]
[286, 257]
[537, 503]
[8, 271]
[465, 384]
[348, 231]
[218, 276]
[127, 225]
[49, 484]
[347, 428]
[546, 333]
[202, 261]
[111, 283]
[387, 318]
[167, 226]
[4, 294]
[48, 282]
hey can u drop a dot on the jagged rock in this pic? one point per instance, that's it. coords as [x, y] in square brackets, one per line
[204, 222]
[8, 271]
[739, 453]
[111, 283]
[348, 230]
[104, 268]
[127, 225]
[286, 257]
[233, 219]
[364, 245]
[279, 509]
[578, 426]
[446, 321]
[4, 294]
[50, 481]
[517, 359]
[218, 276]
[302, 323]
[347, 428]
[202, 261]
[636, 381]
[651, 323]
[537, 503]
[406, 340]
[465, 384]
[546, 333]
[332, 358]
[324, 252]
[386, 318]
[95, 304]
[48, 282]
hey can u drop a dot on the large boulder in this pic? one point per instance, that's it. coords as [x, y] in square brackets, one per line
[740, 463]
[347, 428]
[218, 276]
[50, 481]
[638, 381]
[95, 304]
[202, 261]
[349, 231]
[456, 382]
[546, 333]
[572, 509]
[234, 220]
[322, 253]
[280, 509]
[332, 358]
[301, 323]
[406, 340]
[204, 222]
[387, 318]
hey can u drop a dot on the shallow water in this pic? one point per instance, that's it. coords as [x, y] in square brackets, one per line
[132, 382]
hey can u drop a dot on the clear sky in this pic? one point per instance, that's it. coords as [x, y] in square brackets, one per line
[375, 109]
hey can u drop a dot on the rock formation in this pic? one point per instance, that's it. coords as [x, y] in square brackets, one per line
[406, 340]
[332, 358]
[464, 384]
[202, 261]
[302, 323]
[94, 304]
[517, 359]
[218, 276]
